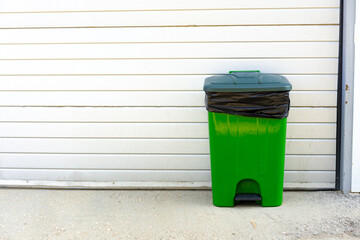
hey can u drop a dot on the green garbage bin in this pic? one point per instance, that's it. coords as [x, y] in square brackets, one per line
[247, 114]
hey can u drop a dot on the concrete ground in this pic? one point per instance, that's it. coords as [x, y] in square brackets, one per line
[91, 214]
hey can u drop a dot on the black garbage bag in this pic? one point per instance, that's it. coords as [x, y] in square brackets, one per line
[251, 104]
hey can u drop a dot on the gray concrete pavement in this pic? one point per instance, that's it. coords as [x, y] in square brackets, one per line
[90, 214]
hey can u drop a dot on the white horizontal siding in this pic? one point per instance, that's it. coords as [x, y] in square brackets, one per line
[171, 50]
[142, 185]
[314, 33]
[167, 66]
[114, 5]
[111, 92]
[140, 83]
[139, 146]
[145, 98]
[170, 18]
[142, 114]
[146, 175]
[144, 161]
[144, 130]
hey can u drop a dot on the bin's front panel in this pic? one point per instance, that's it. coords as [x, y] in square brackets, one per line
[247, 149]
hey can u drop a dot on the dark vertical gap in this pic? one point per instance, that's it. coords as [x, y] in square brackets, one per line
[339, 99]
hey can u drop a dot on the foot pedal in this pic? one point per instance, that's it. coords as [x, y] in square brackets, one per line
[241, 197]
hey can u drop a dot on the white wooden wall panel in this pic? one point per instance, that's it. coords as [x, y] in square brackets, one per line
[46, 184]
[144, 130]
[144, 161]
[313, 33]
[170, 18]
[139, 146]
[145, 175]
[142, 114]
[144, 98]
[171, 50]
[115, 5]
[111, 91]
[167, 66]
[135, 82]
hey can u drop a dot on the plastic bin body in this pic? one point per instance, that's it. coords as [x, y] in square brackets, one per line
[247, 126]
[247, 156]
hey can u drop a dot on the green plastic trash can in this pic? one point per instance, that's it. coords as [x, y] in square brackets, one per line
[247, 114]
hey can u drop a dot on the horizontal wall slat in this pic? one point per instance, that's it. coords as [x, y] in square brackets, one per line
[312, 115]
[142, 146]
[170, 18]
[310, 162]
[171, 50]
[114, 5]
[145, 98]
[123, 161]
[313, 146]
[143, 130]
[312, 82]
[140, 114]
[149, 82]
[89, 161]
[168, 66]
[291, 186]
[106, 175]
[314, 99]
[320, 130]
[164, 146]
[151, 176]
[112, 130]
[140, 185]
[308, 177]
[171, 34]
